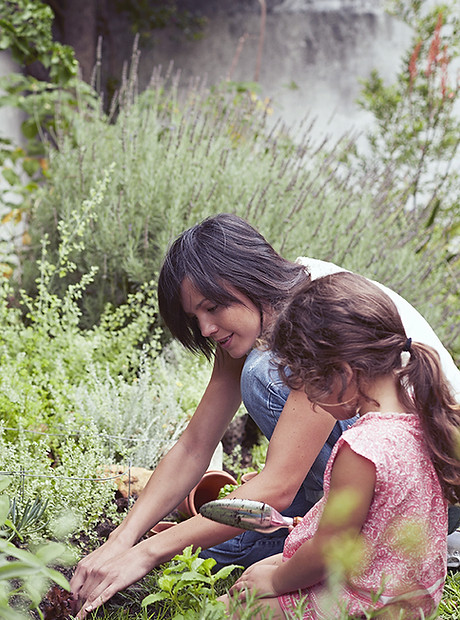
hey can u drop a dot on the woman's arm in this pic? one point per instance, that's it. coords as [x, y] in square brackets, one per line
[175, 476]
[350, 496]
[296, 442]
[299, 436]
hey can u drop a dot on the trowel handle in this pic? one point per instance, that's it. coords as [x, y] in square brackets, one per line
[280, 520]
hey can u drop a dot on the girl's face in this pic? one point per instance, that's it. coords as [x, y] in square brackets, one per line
[235, 328]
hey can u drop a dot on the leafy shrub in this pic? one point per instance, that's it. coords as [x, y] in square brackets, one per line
[68, 485]
[175, 160]
[146, 415]
[74, 401]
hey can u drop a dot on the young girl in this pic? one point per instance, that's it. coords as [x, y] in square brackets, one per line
[220, 286]
[342, 341]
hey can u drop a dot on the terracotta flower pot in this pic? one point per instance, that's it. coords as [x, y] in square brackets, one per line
[160, 527]
[206, 490]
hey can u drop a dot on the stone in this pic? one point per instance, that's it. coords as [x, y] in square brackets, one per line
[131, 481]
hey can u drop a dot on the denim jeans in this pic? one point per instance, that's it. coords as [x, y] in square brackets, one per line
[264, 396]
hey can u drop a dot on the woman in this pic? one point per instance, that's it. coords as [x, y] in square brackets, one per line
[220, 285]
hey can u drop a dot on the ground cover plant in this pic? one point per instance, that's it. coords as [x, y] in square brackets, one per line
[89, 377]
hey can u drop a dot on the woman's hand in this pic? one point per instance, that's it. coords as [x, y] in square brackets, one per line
[105, 572]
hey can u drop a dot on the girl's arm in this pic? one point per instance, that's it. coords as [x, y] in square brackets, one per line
[350, 496]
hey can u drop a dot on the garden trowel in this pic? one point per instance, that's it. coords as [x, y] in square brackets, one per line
[247, 514]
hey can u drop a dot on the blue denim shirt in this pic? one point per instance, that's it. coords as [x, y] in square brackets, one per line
[264, 396]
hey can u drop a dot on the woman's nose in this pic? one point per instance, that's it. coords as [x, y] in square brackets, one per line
[207, 328]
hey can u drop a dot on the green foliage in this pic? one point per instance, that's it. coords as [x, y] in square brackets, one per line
[67, 484]
[26, 31]
[178, 158]
[233, 462]
[144, 415]
[27, 517]
[24, 576]
[449, 608]
[38, 100]
[186, 583]
[83, 399]
[146, 16]
[417, 130]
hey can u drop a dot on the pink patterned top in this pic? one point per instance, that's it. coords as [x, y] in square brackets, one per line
[408, 507]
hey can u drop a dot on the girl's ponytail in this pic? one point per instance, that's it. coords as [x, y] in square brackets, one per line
[430, 395]
[343, 319]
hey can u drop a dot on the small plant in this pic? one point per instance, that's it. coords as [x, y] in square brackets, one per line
[449, 608]
[187, 582]
[24, 576]
[27, 518]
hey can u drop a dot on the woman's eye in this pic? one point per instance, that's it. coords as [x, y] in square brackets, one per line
[212, 308]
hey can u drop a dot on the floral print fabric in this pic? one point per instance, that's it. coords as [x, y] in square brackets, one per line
[405, 533]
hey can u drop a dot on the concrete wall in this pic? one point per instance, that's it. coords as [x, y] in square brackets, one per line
[10, 118]
[314, 53]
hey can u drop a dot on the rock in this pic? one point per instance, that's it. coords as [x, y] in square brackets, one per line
[131, 481]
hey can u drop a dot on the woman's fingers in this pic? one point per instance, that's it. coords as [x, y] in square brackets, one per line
[97, 598]
[103, 581]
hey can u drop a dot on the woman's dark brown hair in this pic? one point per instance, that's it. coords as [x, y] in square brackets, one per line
[346, 319]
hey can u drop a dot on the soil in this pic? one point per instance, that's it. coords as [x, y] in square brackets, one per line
[57, 603]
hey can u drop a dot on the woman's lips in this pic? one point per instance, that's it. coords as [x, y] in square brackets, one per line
[225, 341]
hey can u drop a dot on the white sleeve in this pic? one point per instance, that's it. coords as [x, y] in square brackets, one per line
[420, 330]
[415, 325]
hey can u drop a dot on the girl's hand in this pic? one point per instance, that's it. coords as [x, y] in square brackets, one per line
[259, 578]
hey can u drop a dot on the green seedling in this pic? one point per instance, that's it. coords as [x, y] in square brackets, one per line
[187, 582]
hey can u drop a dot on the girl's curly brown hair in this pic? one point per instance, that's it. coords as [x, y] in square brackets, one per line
[343, 319]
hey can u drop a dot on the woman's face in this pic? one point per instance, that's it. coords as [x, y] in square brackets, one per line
[235, 328]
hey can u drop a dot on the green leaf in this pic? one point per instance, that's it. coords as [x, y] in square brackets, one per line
[15, 570]
[154, 598]
[194, 575]
[4, 508]
[10, 176]
[49, 552]
[29, 128]
[166, 582]
[58, 577]
[31, 166]
[224, 572]
[24, 556]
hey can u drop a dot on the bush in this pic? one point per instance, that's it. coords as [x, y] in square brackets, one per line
[29, 571]
[175, 160]
[74, 401]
